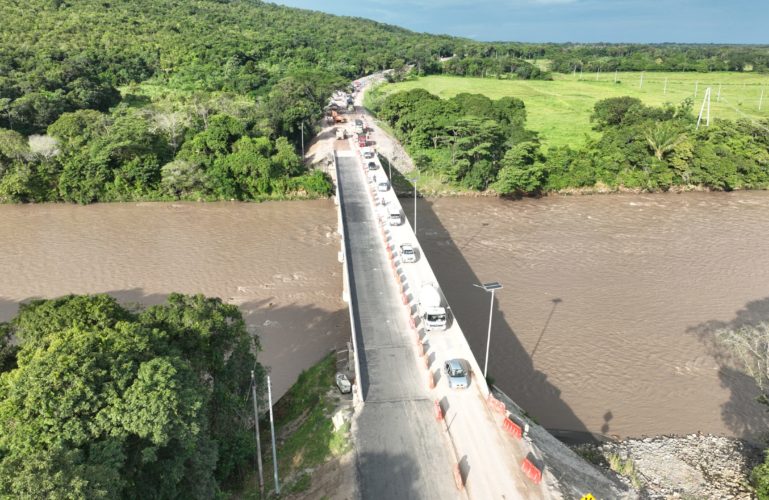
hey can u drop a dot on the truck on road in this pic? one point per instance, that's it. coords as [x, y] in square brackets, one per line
[431, 310]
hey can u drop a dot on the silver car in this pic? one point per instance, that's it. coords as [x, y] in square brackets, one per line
[456, 374]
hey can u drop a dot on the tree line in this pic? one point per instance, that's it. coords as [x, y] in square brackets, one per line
[99, 401]
[477, 143]
[157, 99]
[194, 146]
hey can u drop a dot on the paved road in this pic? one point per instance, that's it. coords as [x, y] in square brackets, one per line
[401, 452]
[489, 458]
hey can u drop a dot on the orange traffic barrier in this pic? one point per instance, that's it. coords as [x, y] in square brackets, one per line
[412, 323]
[438, 411]
[497, 405]
[420, 349]
[512, 428]
[531, 471]
[426, 360]
[458, 478]
[404, 298]
[430, 380]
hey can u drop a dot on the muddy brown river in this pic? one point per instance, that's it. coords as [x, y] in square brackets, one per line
[603, 324]
[276, 260]
[609, 304]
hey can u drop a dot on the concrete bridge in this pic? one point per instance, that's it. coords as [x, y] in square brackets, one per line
[415, 437]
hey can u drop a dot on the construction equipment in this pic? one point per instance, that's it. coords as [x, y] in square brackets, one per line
[338, 118]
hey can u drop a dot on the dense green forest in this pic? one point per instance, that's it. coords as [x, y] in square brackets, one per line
[99, 401]
[475, 142]
[124, 100]
[168, 99]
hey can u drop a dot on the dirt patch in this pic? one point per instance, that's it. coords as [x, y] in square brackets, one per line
[334, 480]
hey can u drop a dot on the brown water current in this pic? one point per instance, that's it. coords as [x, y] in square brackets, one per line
[603, 325]
[609, 304]
[276, 260]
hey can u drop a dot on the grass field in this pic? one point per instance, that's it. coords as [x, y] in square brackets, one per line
[560, 109]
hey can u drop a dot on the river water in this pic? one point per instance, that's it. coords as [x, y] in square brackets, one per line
[276, 260]
[602, 325]
[609, 305]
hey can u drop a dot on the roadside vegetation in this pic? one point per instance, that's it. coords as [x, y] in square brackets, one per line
[101, 401]
[306, 438]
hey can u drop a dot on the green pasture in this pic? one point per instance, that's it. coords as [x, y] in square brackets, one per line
[560, 109]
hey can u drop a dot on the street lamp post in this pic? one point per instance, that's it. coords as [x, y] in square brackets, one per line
[489, 287]
[414, 181]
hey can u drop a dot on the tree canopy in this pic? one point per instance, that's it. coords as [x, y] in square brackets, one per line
[479, 143]
[103, 402]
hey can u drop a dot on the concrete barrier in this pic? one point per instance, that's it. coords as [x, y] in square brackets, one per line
[460, 483]
[531, 471]
[438, 411]
[512, 428]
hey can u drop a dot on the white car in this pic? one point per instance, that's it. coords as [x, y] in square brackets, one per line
[343, 383]
[407, 253]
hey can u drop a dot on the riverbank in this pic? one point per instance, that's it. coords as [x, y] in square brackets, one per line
[692, 466]
[315, 457]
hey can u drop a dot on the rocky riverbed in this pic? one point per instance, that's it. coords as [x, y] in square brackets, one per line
[692, 466]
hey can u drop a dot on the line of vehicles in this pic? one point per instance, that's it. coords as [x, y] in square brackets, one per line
[431, 310]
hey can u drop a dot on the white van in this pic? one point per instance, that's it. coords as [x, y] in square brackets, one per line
[394, 216]
[383, 185]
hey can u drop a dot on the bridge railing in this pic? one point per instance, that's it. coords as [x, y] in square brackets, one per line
[346, 294]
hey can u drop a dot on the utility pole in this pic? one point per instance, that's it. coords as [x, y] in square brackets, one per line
[597, 73]
[718, 96]
[696, 86]
[705, 101]
[258, 440]
[761, 99]
[302, 140]
[665, 91]
[272, 431]
[641, 84]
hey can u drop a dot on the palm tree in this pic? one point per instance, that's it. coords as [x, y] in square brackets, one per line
[663, 138]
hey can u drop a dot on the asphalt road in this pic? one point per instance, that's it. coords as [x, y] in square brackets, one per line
[401, 451]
